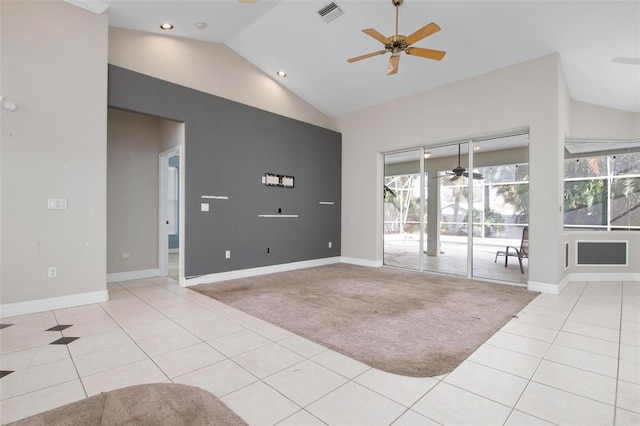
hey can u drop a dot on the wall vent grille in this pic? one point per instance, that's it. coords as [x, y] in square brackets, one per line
[330, 12]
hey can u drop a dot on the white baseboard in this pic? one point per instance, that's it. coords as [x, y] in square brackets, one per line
[245, 273]
[132, 275]
[41, 305]
[543, 287]
[563, 283]
[362, 262]
[581, 277]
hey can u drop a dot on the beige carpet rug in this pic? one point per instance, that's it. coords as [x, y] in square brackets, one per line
[153, 404]
[403, 322]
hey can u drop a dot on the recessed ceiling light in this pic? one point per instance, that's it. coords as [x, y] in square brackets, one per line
[200, 25]
[166, 26]
[281, 74]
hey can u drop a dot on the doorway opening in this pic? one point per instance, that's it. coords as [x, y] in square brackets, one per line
[171, 214]
[137, 191]
[455, 209]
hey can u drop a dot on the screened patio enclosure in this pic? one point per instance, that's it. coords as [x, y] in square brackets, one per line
[437, 221]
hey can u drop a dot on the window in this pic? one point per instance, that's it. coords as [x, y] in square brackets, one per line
[602, 192]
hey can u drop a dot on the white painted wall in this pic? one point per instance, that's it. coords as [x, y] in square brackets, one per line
[522, 96]
[597, 122]
[171, 134]
[610, 273]
[209, 67]
[53, 67]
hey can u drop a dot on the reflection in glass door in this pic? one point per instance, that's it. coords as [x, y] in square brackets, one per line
[446, 210]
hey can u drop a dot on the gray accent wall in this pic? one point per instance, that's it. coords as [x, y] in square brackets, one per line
[228, 148]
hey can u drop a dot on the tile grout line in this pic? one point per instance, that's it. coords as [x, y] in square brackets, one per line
[615, 400]
[75, 367]
[544, 355]
[258, 379]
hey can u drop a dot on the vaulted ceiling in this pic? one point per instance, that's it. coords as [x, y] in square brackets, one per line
[598, 42]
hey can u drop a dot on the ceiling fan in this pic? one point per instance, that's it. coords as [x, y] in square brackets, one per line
[399, 43]
[460, 171]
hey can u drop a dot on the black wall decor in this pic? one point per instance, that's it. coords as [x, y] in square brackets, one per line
[278, 180]
[228, 147]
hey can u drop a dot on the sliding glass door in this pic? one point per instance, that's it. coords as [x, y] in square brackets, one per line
[459, 209]
[501, 209]
[402, 209]
[447, 210]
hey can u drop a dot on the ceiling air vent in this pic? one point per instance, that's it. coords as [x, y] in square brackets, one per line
[330, 12]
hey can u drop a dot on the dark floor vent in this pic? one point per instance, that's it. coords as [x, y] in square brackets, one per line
[330, 12]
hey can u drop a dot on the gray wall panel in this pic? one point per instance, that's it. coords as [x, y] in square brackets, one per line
[601, 253]
[228, 148]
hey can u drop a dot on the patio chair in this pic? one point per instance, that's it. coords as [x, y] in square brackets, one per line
[520, 253]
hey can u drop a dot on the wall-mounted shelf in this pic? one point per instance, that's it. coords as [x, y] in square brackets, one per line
[215, 197]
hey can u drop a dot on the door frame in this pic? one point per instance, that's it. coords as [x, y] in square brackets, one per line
[163, 241]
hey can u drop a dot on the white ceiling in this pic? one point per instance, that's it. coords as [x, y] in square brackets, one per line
[478, 36]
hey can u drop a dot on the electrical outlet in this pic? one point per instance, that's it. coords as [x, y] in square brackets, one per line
[125, 255]
[330, 244]
[227, 254]
[52, 272]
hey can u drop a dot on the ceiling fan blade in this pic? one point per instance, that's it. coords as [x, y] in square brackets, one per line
[426, 53]
[368, 55]
[423, 32]
[375, 34]
[394, 61]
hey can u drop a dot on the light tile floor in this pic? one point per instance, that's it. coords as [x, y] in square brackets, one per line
[568, 359]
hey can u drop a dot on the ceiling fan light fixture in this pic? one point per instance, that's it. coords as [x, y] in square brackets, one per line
[397, 43]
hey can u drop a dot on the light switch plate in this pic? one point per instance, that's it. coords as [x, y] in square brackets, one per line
[57, 203]
[204, 207]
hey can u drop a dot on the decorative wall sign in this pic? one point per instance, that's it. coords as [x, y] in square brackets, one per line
[270, 179]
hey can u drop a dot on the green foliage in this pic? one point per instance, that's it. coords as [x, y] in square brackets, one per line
[585, 201]
[517, 195]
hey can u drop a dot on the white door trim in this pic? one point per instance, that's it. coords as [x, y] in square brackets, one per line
[163, 243]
